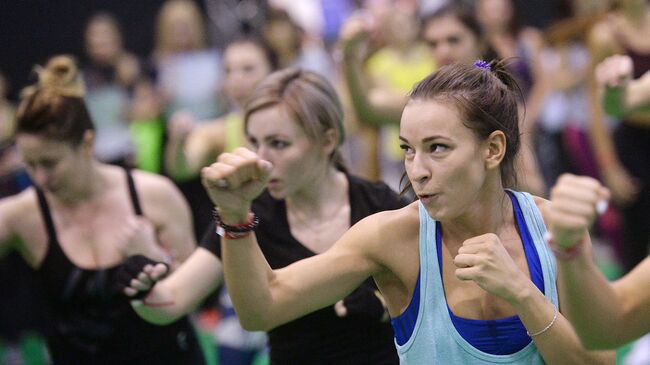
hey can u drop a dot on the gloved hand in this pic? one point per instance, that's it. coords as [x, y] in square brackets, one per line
[138, 274]
[364, 302]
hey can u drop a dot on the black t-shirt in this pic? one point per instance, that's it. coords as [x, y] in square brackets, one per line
[321, 337]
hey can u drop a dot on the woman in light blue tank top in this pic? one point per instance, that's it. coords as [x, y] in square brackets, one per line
[465, 272]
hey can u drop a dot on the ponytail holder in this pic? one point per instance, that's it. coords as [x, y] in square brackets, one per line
[482, 64]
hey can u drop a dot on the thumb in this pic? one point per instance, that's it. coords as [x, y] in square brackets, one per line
[604, 195]
[265, 165]
[264, 168]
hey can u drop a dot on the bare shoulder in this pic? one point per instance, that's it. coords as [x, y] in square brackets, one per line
[156, 191]
[21, 217]
[18, 205]
[148, 182]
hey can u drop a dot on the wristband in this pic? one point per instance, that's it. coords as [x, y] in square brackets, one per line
[236, 231]
[563, 253]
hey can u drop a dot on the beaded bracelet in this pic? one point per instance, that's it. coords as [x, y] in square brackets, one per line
[545, 328]
[237, 231]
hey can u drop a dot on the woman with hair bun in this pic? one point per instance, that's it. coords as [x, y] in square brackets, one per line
[465, 272]
[81, 220]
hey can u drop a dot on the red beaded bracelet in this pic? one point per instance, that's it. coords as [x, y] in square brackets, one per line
[563, 253]
[237, 231]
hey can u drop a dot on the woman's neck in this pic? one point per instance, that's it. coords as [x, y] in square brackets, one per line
[90, 183]
[491, 213]
[327, 193]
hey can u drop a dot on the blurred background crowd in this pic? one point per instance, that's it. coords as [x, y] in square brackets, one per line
[166, 82]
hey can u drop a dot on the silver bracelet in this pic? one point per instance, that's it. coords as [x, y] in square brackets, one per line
[545, 328]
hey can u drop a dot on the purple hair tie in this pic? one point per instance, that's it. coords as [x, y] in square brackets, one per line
[482, 64]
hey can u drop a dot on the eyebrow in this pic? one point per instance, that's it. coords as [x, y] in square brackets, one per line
[275, 136]
[425, 139]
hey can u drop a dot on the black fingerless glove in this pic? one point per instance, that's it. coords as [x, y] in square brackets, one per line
[130, 269]
[364, 303]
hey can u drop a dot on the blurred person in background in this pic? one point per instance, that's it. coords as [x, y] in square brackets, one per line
[293, 45]
[193, 144]
[452, 34]
[81, 220]
[400, 62]
[622, 95]
[229, 20]
[622, 150]
[109, 73]
[187, 69]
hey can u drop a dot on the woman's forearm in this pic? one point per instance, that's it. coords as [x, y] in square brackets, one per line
[265, 298]
[248, 278]
[356, 83]
[591, 303]
[554, 337]
[183, 290]
[175, 160]
[598, 134]
[160, 307]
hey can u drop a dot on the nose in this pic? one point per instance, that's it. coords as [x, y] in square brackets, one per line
[264, 152]
[443, 51]
[417, 170]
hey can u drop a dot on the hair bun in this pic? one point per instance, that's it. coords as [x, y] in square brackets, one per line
[61, 76]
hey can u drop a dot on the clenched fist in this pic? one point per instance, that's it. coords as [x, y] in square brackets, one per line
[234, 181]
[575, 202]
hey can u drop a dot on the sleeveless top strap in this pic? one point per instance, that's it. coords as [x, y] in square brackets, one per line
[133, 193]
[47, 216]
[537, 229]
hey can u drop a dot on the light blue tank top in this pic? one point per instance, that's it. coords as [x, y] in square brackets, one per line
[434, 339]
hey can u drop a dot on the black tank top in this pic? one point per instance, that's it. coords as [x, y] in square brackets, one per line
[94, 323]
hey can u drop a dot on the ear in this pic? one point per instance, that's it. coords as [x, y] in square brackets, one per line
[330, 141]
[495, 149]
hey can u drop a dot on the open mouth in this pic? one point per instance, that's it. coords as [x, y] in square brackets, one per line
[425, 198]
